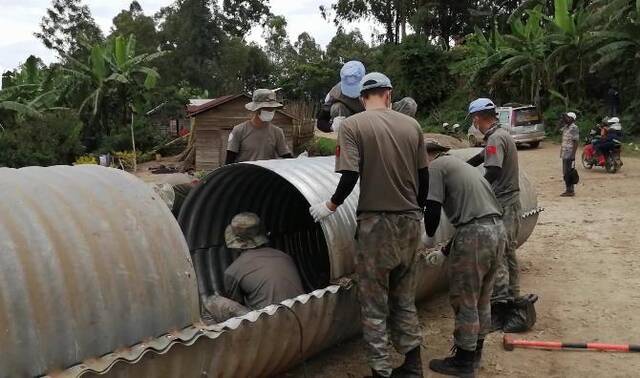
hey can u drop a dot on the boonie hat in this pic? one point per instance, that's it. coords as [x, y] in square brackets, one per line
[433, 145]
[263, 98]
[406, 106]
[480, 105]
[245, 232]
[375, 80]
[350, 76]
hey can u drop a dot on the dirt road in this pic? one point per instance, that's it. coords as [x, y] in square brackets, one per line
[583, 262]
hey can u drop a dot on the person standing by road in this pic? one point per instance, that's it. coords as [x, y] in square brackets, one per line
[258, 138]
[568, 150]
[474, 253]
[385, 150]
[500, 157]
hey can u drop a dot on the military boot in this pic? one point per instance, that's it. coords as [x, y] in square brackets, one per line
[498, 313]
[459, 365]
[412, 366]
[477, 358]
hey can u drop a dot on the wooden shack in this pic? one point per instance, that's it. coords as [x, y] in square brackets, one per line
[213, 121]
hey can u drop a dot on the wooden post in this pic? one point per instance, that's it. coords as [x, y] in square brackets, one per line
[133, 143]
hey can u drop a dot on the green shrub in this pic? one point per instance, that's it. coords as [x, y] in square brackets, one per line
[86, 160]
[322, 147]
[147, 137]
[51, 140]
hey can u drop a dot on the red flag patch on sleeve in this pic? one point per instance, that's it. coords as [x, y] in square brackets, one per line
[337, 151]
[491, 150]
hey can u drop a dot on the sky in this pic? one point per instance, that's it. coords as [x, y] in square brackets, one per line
[17, 26]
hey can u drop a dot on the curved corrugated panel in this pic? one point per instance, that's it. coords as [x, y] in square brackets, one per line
[259, 344]
[280, 192]
[256, 344]
[90, 261]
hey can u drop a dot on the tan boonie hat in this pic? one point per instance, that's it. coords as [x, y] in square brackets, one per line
[263, 98]
[245, 232]
[433, 145]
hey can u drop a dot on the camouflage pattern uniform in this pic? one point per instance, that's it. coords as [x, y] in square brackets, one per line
[473, 260]
[507, 285]
[387, 245]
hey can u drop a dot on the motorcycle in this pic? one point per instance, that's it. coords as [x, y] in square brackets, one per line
[591, 157]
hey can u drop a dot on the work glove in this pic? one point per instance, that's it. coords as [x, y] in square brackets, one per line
[320, 211]
[337, 122]
[447, 248]
[435, 258]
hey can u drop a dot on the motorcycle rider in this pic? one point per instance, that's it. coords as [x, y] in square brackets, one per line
[611, 138]
[568, 149]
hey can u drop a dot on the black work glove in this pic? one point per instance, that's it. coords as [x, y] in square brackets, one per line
[447, 248]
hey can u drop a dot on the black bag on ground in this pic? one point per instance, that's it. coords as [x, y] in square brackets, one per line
[521, 317]
[574, 178]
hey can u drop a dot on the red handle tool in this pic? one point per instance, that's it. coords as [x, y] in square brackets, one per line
[510, 344]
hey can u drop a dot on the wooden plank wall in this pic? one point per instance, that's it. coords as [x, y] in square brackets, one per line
[213, 128]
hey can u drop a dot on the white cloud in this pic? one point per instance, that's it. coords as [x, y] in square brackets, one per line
[18, 25]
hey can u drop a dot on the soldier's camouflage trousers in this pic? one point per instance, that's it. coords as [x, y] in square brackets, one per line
[386, 254]
[507, 286]
[476, 248]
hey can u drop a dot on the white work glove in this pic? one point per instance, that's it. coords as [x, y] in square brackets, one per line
[435, 258]
[320, 211]
[337, 122]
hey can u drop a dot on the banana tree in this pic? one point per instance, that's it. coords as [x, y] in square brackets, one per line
[619, 39]
[115, 81]
[524, 55]
[571, 42]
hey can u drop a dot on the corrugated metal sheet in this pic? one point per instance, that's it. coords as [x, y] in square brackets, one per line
[90, 261]
[259, 344]
[280, 192]
[262, 343]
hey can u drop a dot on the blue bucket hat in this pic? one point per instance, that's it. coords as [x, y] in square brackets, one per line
[350, 76]
[480, 105]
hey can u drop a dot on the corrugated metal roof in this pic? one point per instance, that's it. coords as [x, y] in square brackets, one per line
[194, 110]
[91, 261]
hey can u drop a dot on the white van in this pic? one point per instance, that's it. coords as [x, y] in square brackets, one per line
[523, 122]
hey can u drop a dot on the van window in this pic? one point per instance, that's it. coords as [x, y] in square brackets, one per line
[527, 117]
[503, 118]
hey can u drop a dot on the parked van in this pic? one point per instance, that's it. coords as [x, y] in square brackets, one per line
[523, 122]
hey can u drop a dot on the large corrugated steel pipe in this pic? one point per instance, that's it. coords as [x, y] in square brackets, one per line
[280, 192]
[91, 261]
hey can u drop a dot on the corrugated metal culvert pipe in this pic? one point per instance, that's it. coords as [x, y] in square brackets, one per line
[91, 261]
[138, 274]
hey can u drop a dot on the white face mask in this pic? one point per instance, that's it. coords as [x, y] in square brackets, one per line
[266, 116]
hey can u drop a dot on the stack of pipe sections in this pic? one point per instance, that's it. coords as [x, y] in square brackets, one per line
[127, 265]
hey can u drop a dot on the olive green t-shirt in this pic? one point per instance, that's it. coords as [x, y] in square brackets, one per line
[501, 152]
[387, 149]
[464, 194]
[257, 143]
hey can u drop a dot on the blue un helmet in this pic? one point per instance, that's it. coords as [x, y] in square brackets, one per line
[350, 76]
[480, 105]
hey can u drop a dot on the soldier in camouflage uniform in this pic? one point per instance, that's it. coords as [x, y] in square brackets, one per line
[385, 150]
[478, 243]
[500, 158]
[260, 276]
